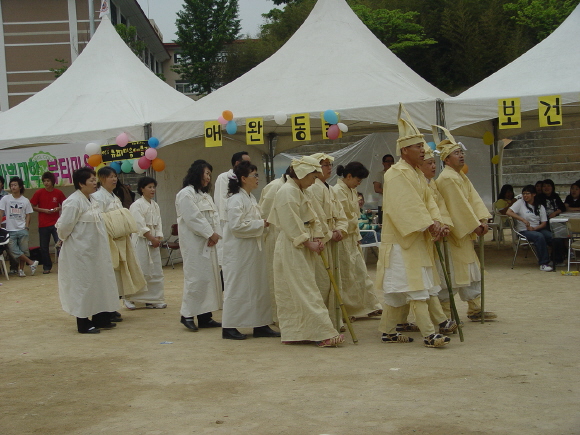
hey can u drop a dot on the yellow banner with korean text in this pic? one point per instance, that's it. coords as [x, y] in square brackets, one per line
[509, 113]
[301, 127]
[212, 134]
[255, 131]
[550, 111]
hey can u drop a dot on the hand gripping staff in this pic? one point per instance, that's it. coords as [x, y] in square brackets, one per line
[337, 293]
[445, 267]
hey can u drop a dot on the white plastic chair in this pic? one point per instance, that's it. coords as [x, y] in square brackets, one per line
[573, 226]
[374, 244]
[2, 260]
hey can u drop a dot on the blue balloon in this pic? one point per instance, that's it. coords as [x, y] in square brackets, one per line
[116, 166]
[153, 142]
[231, 127]
[331, 117]
[432, 145]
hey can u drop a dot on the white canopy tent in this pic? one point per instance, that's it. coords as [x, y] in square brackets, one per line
[332, 62]
[552, 67]
[105, 92]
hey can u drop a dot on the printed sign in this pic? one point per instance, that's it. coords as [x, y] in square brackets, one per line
[510, 113]
[213, 134]
[133, 150]
[301, 127]
[255, 131]
[550, 111]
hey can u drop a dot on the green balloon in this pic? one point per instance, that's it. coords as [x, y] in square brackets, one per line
[127, 166]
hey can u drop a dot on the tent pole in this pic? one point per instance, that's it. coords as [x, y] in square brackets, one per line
[91, 19]
[271, 151]
[146, 135]
[494, 168]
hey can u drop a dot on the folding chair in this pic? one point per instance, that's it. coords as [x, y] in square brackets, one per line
[171, 245]
[518, 239]
[374, 244]
[4, 239]
[573, 226]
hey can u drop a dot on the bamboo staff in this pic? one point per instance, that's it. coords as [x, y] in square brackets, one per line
[482, 268]
[337, 293]
[445, 267]
[335, 272]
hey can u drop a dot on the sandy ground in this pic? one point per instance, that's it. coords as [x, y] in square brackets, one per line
[518, 375]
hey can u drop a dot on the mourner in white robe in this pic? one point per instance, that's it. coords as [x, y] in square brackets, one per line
[197, 220]
[246, 296]
[86, 282]
[148, 219]
[220, 192]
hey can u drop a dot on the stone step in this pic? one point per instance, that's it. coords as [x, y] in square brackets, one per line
[562, 180]
[537, 168]
[546, 159]
[567, 130]
[543, 144]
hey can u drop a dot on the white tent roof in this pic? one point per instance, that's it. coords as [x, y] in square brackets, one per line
[106, 91]
[552, 67]
[332, 62]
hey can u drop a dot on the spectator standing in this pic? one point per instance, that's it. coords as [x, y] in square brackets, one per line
[17, 209]
[388, 161]
[47, 202]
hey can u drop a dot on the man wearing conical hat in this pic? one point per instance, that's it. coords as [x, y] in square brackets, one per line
[469, 215]
[405, 271]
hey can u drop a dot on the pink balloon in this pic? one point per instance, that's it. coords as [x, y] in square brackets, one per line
[144, 162]
[333, 132]
[122, 140]
[151, 153]
[222, 120]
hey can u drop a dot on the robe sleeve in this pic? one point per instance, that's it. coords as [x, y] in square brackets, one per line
[322, 218]
[193, 218]
[69, 217]
[344, 201]
[286, 215]
[340, 220]
[138, 211]
[465, 221]
[219, 194]
[159, 227]
[240, 222]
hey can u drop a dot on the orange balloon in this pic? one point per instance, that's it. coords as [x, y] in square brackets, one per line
[95, 160]
[158, 165]
[465, 169]
[228, 115]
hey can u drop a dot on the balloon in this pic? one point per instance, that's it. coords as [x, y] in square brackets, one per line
[432, 145]
[228, 115]
[222, 120]
[122, 140]
[151, 153]
[331, 117]
[116, 166]
[127, 166]
[280, 118]
[333, 132]
[495, 159]
[153, 142]
[99, 166]
[144, 163]
[231, 127]
[92, 148]
[465, 169]
[158, 165]
[488, 138]
[342, 127]
[95, 160]
[137, 168]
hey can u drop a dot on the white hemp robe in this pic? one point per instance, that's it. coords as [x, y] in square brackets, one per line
[302, 314]
[220, 194]
[357, 291]
[148, 219]
[86, 282]
[197, 220]
[246, 295]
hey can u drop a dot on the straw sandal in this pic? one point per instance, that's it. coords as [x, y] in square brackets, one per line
[375, 313]
[436, 340]
[476, 317]
[331, 342]
[396, 338]
[447, 327]
[407, 327]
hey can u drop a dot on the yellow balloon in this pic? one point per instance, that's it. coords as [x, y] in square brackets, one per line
[495, 159]
[99, 166]
[488, 138]
[465, 169]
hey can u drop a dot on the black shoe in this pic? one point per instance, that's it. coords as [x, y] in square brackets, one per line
[232, 334]
[91, 330]
[116, 317]
[189, 323]
[105, 325]
[265, 331]
[211, 324]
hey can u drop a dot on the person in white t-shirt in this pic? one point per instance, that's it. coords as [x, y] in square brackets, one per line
[388, 161]
[531, 220]
[17, 210]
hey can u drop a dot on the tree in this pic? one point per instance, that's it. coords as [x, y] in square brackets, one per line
[59, 71]
[129, 35]
[204, 27]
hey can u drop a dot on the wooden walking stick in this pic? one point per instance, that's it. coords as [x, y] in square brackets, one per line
[335, 273]
[445, 267]
[337, 293]
[482, 268]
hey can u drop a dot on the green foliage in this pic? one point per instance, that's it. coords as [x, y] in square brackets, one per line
[129, 35]
[204, 27]
[59, 71]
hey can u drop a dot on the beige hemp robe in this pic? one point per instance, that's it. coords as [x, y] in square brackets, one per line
[357, 288]
[302, 314]
[466, 209]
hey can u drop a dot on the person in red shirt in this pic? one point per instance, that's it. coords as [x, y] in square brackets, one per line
[47, 202]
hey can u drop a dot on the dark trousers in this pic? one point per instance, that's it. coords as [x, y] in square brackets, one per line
[380, 214]
[44, 234]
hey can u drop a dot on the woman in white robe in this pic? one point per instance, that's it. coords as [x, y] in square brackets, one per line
[246, 294]
[146, 243]
[302, 315]
[358, 292]
[199, 226]
[86, 283]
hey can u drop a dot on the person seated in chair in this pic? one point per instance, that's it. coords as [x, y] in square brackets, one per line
[365, 222]
[572, 201]
[505, 199]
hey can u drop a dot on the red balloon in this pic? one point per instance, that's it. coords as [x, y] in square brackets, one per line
[333, 132]
[144, 162]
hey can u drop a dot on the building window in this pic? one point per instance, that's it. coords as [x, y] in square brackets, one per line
[152, 62]
[176, 58]
[123, 20]
[183, 87]
[113, 14]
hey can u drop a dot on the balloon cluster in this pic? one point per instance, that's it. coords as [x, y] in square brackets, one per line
[227, 119]
[336, 127]
[139, 166]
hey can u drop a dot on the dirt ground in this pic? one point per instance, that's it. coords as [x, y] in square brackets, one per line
[517, 375]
